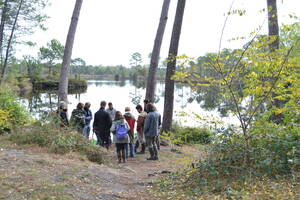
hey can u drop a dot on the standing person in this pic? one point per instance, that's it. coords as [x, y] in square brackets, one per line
[151, 131]
[77, 118]
[111, 111]
[63, 114]
[101, 126]
[88, 118]
[146, 101]
[131, 122]
[157, 139]
[140, 129]
[120, 130]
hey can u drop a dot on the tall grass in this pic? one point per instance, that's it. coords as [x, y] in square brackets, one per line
[57, 140]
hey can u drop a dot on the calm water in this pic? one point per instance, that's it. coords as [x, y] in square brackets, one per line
[126, 93]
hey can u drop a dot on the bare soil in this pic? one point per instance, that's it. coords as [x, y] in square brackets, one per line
[31, 173]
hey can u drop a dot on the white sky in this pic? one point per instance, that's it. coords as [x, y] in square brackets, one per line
[109, 31]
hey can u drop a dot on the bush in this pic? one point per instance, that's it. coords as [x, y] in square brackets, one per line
[57, 140]
[261, 169]
[190, 135]
[12, 113]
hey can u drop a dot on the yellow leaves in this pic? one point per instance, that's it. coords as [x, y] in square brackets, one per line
[4, 119]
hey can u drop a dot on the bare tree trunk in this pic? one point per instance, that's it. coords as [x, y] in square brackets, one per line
[273, 23]
[3, 18]
[171, 67]
[64, 75]
[274, 32]
[151, 82]
[4, 66]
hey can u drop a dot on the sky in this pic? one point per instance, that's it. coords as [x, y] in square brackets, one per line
[110, 31]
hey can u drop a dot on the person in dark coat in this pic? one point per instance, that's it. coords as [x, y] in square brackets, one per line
[101, 126]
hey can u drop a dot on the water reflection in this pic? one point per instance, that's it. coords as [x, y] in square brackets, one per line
[205, 101]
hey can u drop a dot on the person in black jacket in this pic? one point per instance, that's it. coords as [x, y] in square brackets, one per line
[101, 126]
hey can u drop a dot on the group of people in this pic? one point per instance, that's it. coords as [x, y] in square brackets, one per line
[122, 127]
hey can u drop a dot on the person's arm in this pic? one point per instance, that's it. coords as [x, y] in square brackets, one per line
[88, 116]
[95, 123]
[159, 120]
[109, 121]
[113, 128]
[139, 124]
[147, 124]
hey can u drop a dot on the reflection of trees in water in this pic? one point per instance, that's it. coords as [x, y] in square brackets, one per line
[210, 98]
[120, 83]
[139, 83]
[41, 103]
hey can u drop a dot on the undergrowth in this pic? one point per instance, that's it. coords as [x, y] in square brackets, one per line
[188, 135]
[57, 140]
[268, 167]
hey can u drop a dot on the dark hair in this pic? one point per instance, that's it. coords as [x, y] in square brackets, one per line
[103, 103]
[79, 106]
[87, 104]
[151, 107]
[110, 103]
[146, 101]
[139, 107]
[118, 115]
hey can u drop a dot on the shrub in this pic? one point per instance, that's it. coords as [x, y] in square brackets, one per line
[181, 135]
[261, 169]
[57, 140]
[12, 113]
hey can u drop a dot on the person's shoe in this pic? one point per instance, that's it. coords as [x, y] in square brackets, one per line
[155, 158]
[151, 158]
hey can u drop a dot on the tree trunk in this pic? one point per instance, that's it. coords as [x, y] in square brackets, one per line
[63, 83]
[171, 67]
[273, 24]
[4, 65]
[3, 18]
[151, 82]
[274, 32]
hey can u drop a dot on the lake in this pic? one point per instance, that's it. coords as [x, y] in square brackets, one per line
[127, 93]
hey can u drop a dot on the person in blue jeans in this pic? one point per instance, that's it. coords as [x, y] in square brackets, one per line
[88, 118]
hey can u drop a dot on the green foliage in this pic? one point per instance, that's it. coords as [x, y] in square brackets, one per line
[78, 83]
[52, 55]
[12, 113]
[254, 79]
[188, 135]
[57, 140]
[264, 170]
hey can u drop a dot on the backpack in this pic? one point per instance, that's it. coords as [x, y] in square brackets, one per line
[121, 131]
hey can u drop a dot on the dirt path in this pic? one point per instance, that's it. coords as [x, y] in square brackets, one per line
[29, 174]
